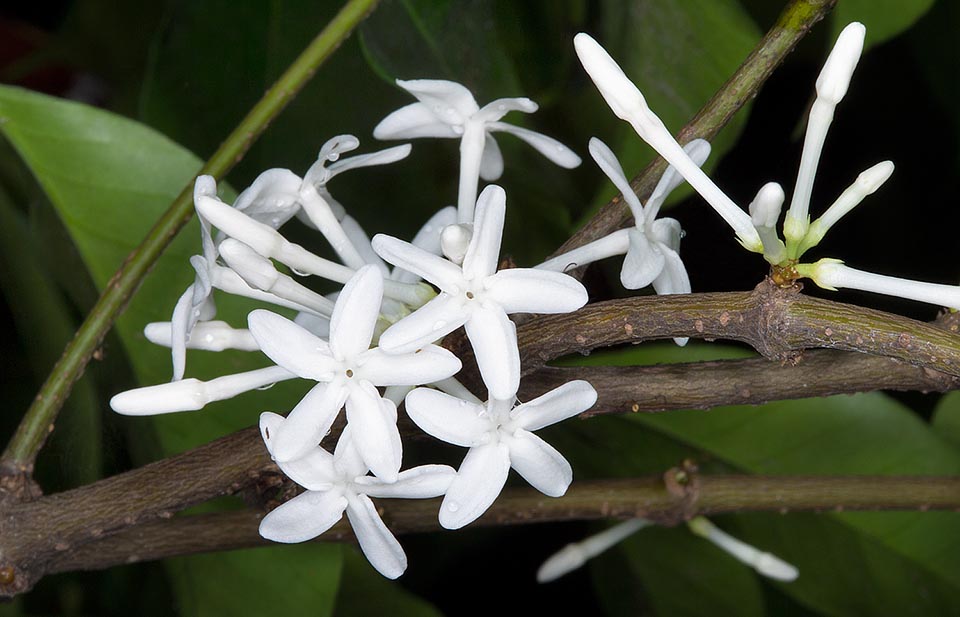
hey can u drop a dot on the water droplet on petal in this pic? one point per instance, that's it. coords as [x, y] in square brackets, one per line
[501, 107]
[453, 506]
[299, 272]
[438, 325]
[268, 386]
[457, 129]
[561, 148]
[463, 403]
[333, 156]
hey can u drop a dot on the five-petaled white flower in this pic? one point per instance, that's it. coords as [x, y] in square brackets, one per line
[348, 372]
[651, 245]
[448, 109]
[339, 482]
[500, 436]
[478, 297]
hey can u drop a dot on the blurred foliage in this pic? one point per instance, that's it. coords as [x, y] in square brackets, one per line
[179, 75]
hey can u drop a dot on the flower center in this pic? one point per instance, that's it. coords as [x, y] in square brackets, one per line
[349, 373]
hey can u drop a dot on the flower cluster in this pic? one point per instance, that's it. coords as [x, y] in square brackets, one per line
[756, 231]
[373, 346]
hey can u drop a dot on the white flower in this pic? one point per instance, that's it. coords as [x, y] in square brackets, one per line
[192, 394]
[574, 555]
[831, 87]
[651, 245]
[628, 103]
[448, 109]
[478, 297]
[339, 482]
[500, 436]
[832, 274]
[767, 564]
[348, 372]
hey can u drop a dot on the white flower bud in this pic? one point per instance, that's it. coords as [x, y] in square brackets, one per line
[835, 76]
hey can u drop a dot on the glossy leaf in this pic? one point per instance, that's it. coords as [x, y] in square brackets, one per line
[365, 593]
[109, 178]
[946, 418]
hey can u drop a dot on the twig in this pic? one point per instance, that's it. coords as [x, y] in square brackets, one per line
[21, 451]
[677, 496]
[779, 323]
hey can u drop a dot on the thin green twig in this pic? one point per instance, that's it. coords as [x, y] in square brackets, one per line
[21, 452]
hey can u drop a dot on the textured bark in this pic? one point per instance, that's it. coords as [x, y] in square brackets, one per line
[678, 495]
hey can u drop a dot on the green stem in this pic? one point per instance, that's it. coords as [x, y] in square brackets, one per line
[22, 450]
[792, 25]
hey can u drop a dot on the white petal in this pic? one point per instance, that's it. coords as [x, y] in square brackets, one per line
[314, 471]
[448, 418]
[449, 101]
[555, 406]
[359, 239]
[491, 161]
[381, 157]
[426, 365]
[642, 263]
[529, 290]
[421, 482]
[483, 253]
[272, 198]
[616, 243]
[377, 439]
[304, 517]
[673, 278]
[413, 121]
[494, 340]
[308, 422]
[355, 314]
[494, 110]
[478, 483]
[206, 335]
[346, 458]
[428, 237]
[607, 162]
[430, 322]
[539, 463]
[547, 146]
[433, 268]
[667, 231]
[180, 326]
[380, 547]
[292, 347]
[317, 325]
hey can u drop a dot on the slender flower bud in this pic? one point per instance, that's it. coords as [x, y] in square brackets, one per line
[193, 394]
[832, 274]
[454, 241]
[865, 184]
[628, 103]
[206, 335]
[260, 273]
[764, 212]
[831, 86]
[574, 555]
[835, 76]
[766, 564]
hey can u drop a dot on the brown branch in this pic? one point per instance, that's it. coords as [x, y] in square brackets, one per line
[704, 385]
[677, 496]
[779, 323]
[794, 23]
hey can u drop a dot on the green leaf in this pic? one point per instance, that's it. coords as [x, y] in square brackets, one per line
[365, 593]
[285, 580]
[109, 178]
[946, 418]
[895, 563]
[884, 19]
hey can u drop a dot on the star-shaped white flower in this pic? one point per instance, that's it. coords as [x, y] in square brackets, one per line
[651, 244]
[500, 436]
[478, 297]
[348, 372]
[448, 109]
[339, 482]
